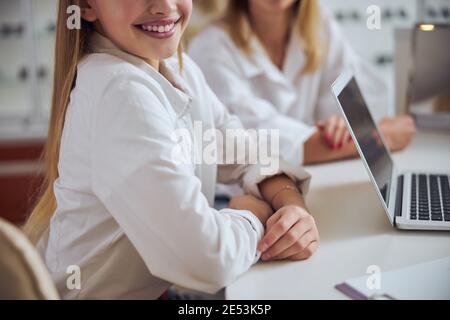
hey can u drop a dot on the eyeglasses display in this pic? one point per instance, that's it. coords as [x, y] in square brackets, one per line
[27, 35]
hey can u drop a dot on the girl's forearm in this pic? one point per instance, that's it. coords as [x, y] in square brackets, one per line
[280, 191]
[316, 151]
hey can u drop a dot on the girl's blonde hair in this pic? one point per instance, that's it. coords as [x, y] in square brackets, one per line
[71, 46]
[307, 20]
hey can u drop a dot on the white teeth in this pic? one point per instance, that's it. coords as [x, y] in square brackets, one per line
[159, 29]
[170, 27]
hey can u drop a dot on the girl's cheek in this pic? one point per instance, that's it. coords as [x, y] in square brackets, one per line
[186, 9]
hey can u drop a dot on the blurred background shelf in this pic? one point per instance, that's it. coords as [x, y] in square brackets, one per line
[27, 32]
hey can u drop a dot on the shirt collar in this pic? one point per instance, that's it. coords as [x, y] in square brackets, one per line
[258, 62]
[171, 81]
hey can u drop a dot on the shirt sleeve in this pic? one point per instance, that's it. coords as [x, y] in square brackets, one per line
[340, 57]
[232, 89]
[158, 202]
[251, 169]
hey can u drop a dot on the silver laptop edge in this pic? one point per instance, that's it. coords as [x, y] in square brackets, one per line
[402, 221]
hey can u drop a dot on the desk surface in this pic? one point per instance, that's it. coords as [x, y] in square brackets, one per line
[355, 231]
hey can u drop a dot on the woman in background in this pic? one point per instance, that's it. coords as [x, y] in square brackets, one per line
[273, 63]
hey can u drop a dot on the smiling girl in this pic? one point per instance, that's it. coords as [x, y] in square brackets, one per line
[116, 202]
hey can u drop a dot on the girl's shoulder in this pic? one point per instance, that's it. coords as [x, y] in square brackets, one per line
[104, 82]
[189, 74]
[98, 70]
[100, 74]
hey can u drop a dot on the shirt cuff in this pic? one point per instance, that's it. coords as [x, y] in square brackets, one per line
[254, 222]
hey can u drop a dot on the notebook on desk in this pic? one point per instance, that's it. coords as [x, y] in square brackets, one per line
[425, 281]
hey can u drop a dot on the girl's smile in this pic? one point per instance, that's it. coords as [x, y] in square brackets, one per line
[161, 29]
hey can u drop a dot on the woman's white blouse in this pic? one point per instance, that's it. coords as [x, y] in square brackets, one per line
[129, 216]
[263, 96]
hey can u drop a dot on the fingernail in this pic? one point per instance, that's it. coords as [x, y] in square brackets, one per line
[262, 247]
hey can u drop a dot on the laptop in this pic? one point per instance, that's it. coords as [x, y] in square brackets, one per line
[412, 200]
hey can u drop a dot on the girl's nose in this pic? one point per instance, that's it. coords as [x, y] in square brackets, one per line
[162, 7]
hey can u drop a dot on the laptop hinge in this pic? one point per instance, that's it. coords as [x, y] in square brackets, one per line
[399, 196]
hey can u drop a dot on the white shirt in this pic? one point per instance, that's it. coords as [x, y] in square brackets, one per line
[263, 96]
[128, 215]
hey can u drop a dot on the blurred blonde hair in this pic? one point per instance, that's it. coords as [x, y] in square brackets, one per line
[307, 21]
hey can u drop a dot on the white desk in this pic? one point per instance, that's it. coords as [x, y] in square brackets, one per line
[355, 232]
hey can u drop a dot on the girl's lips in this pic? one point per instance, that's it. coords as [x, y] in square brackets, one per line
[161, 29]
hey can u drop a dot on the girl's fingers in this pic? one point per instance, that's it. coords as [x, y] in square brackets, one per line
[298, 247]
[307, 253]
[342, 135]
[347, 137]
[273, 219]
[330, 129]
[321, 125]
[288, 239]
[338, 137]
[279, 228]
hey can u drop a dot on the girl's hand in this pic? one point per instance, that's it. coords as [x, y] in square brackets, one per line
[335, 133]
[398, 132]
[258, 207]
[291, 233]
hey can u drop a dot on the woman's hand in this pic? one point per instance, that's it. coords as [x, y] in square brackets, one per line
[335, 133]
[291, 233]
[398, 132]
[258, 207]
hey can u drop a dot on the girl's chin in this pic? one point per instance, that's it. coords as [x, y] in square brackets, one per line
[161, 54]
[162, 48]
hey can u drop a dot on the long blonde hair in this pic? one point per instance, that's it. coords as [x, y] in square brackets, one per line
[307, 20]
[71, 46]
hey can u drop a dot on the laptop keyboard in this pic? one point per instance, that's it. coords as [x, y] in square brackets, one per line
[430, 197]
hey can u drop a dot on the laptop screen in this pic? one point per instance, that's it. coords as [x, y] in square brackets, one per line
[368, 138]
